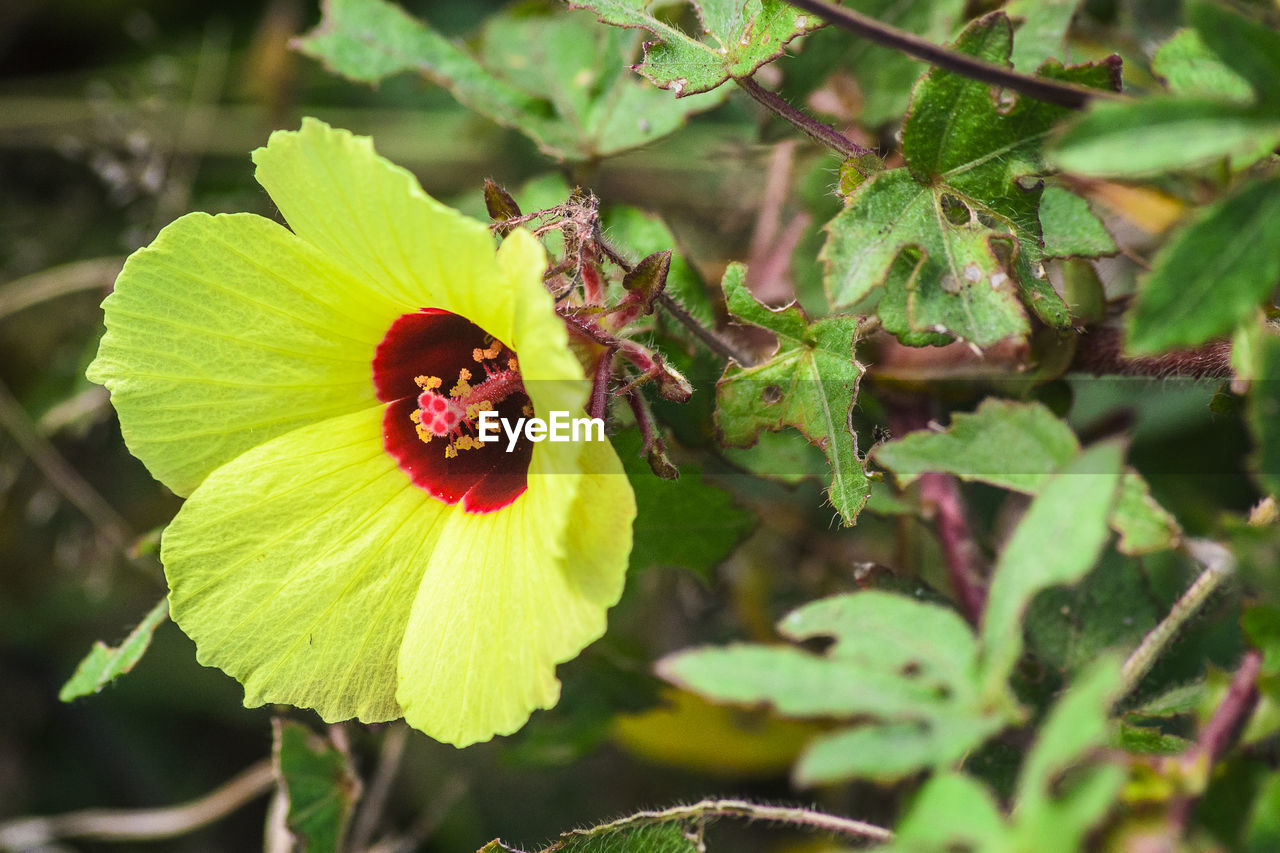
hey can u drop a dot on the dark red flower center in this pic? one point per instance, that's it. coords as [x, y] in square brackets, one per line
[440, 372]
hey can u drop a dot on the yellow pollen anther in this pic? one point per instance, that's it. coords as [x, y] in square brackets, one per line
[482, 354]
[463, 388]
[528, 411]
[474, 410]
[511, 364]
[428, 383]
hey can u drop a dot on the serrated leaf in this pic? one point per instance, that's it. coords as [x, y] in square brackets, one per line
[557, 77]
[319, 784]
[964, 209]
[810, 383]
[1191, 69]
[686, 522]
[1071, 228]
[1212, 275]
[1057, 542]
[106, 663]
[1016, 446]
[905, 669]
[738, 36]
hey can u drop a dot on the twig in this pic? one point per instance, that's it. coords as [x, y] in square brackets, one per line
[1100, 352]
[823, 134]
[942, 491]
[1040, 88]
[715, 342]
[75, 277]
[375, 801]
[1218, 566]
[109, 524]
[786, 815]
[140, 824]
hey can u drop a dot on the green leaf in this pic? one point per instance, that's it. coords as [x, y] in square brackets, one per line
[1250, 49]
[962, 214]
[1057, 542]
[810, 383]
[1262, 833]
[1043, 32]
[1016, 446]
[1069, 627]
[1263, 415]
[952, 812]
[105, 663]
[685, 522]
[1159, 134]
[1058, 800]
[1212, 275]
[318, 783]
[905, 669]
[1191, 69]
[738, 36]
[555, 76]
[1060, 797]
[1071, 228]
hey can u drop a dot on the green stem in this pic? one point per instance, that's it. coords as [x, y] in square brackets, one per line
[1218, 566]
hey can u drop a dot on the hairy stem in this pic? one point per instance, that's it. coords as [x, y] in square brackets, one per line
[714, 341]
[785, 815]
[823, 134]
[1218, 566]
[1040, 88]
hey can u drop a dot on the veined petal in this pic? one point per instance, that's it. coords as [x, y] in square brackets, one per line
[508, 595]
[294, 568]
[373, 217]
[226, 332]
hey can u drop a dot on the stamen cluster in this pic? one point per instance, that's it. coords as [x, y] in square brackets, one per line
[453, 417]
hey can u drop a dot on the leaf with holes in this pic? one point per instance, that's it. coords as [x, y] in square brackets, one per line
[810, 383]
[950, 244]
[553, 75]
[738, 36]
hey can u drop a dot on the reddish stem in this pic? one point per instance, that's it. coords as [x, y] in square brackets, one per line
[600, 384]
[942, 492]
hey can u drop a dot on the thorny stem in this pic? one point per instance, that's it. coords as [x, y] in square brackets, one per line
[140, 824]
[1040, 88]
[942, 491]
[823, 134]
[785, 815]
[1218, 566]
[652, 444]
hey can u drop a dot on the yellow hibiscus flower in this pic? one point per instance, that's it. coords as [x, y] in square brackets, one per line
[347, 544]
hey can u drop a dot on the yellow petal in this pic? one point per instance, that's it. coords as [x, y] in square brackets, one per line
[294, 567]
